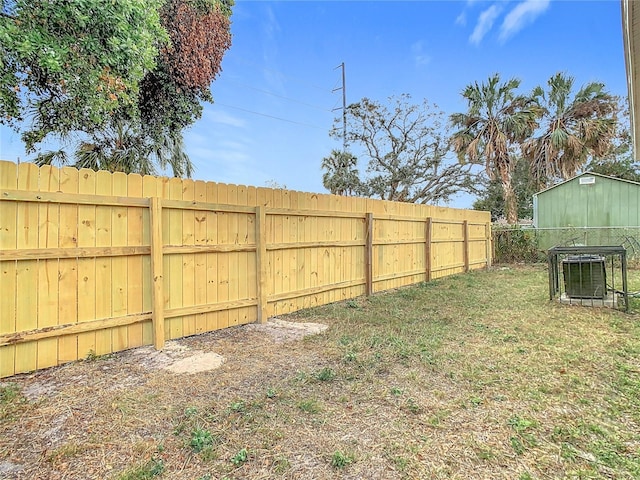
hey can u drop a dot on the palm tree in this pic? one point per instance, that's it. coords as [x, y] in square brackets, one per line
[121, 147]
[497, 121]
[341, 176]
[572, 128]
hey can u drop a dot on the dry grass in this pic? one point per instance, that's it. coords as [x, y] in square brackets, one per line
[472, 377]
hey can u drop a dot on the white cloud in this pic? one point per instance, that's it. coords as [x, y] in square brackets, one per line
[524, 13]
[270, 50]
[419, 56]
[485, 22]
[218, 116]
[461, 19]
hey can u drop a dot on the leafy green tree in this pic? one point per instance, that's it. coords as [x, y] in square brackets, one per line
[575, 127]
[68, 66]
[134, 112]
[341, 176]
[624, 168]
[407, 152]
[491, 198]
[497, 121]
[619, 162]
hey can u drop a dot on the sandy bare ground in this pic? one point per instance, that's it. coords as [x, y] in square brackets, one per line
[64, 416]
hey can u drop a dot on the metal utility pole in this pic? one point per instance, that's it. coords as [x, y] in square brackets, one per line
[344, 106]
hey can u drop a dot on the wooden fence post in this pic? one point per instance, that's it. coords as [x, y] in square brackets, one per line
[465, 233]
[369, 254]
[261, 262]
[427, 248]
[487, 241]
[157, 290]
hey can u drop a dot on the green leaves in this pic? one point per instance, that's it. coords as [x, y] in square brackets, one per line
[132, 70]
[74, 62]
[572, 128]
[497, 121]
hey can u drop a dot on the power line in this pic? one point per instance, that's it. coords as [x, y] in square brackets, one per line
[288, 77]
[271, 116]
[281, 96]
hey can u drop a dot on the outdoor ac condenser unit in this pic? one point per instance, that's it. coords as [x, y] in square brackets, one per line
[585, 276]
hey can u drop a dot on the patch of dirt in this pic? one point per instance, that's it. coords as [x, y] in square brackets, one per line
[283, 331]
[79, 414]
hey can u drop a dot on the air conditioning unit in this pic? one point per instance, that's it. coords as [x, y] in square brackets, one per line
[585, 276]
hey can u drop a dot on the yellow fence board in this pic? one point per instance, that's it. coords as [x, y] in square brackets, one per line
[223, 258]
[200, 260]
[211, 219]
[86, 266]
[188, 260]
[27, 270]
[94, 273]
[48, 223]
[103, 265]
[243, 277]
[68, 267]
[233, 270]
[149, 189]
[119, 278]
[8, 286]
[135, 278]
[174, 274]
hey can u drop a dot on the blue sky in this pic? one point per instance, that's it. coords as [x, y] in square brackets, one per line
[274, 100]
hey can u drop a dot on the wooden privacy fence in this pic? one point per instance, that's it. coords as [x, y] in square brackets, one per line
[100, 262]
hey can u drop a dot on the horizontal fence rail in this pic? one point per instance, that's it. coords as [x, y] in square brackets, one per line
[94, 262]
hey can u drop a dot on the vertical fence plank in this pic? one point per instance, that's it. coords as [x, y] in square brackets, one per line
[222, 276]
[277, 256]
[465, 244]
[48, 223]
[175, 280]
[212, 258]
[200, 259]
[26, 270]
[86, 266]
[157, 264]
[68, 267]
[149, 189]
[119, 278]
[233, 272]
[368, 251]
[103, 265]
[294, 237]
[8, 287]
[189, 280]
[325, 227]
[304, 270]
[134, 263]
[261, 262]
[487, 243]
[427, 248]
[243, 257]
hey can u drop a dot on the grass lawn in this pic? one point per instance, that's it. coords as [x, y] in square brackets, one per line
[475, 376]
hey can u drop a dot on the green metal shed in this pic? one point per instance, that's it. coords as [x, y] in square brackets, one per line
[589, 209]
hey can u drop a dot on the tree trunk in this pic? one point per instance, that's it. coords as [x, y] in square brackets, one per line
[510, 202]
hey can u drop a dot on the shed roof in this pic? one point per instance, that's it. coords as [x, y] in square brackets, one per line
[591, 174]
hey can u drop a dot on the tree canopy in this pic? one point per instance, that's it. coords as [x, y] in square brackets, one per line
[102, 72]
[574, 127]
[406, 148]
[497, 121]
